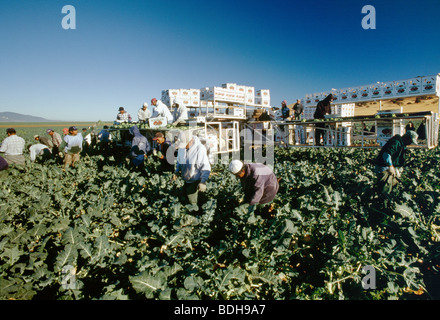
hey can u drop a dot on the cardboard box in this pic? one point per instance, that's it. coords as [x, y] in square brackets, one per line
[158, 122]
[230, 86]
[364, 93]
[194, 102]
[263, 93]
[250, 91]
[400, 88]
[387, 89]
[375, 91]
[307, 101]
[262, 101]
[429, 84]
[316, 98]
[344, 95]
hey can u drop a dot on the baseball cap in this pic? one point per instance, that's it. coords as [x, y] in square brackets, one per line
[412, 135]
[49, 130]
[235, 166]
[184, 138]
[153, 100]
[121, 108]
[158, 135]
[36, 136]
[73, 128]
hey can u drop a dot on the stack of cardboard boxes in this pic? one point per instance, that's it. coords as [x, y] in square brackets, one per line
[227, 93]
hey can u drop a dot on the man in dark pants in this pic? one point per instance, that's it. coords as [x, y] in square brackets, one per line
[390, 158]
[322, 108]
[194, 167]
[259, 183]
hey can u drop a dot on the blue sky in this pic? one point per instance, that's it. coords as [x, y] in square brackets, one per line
[124, 53]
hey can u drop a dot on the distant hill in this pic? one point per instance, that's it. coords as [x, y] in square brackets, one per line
[17, 117]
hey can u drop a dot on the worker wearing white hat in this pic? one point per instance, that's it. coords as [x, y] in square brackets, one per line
[144, 113]
[259, 183]
[180, 114]
[194, 166]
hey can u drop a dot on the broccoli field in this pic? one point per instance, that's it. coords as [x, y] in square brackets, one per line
[104, 231]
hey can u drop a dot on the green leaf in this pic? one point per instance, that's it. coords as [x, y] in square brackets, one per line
[147, 284]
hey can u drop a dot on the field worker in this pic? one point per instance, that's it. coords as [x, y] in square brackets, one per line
[194, 166]
[259, 183]
[298, 110]
[285, 111]
[56, 142]
[163, 152]
[44, 140]
[13, 147]
[73, 147]
[144, 113]
[104, 138]
[123, 116]
[39, 151]
[161, 110]
[322, 109]
[390, 158]
[180, 114]
[140, 147]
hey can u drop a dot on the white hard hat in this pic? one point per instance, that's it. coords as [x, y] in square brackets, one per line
[235, 166]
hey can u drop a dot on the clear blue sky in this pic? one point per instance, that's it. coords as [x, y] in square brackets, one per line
[126, 52]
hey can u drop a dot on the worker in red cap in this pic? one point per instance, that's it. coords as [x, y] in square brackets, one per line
[161, 110]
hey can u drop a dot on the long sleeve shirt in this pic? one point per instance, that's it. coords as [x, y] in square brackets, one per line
[36, 150]
[193, 163]
[56, 139]
[13, 145]
[260, 185]
[144, 115]
[73, 143]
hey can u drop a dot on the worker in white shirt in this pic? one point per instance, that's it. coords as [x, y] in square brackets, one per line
[144, 113]
[161, 110]
[40, 151]
[180, 112]
[12, 147]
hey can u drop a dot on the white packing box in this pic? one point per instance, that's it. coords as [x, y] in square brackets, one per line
[194, 102]
[353, 94]
[241, 89]
[415, 86]
[230, 86]
[364, 93]
[316, 98]
[344, 95]
[249, 100]
[263, 93]
[262, 101]
[429, 84]
[249, 91]
[400, 88]
[194, 93]
[388, 89]
[307, 101]
[375, 91]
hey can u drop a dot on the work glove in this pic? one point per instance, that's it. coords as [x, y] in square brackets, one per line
[174, 177]
[154, 152]
[201, 187]
[159, 154]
